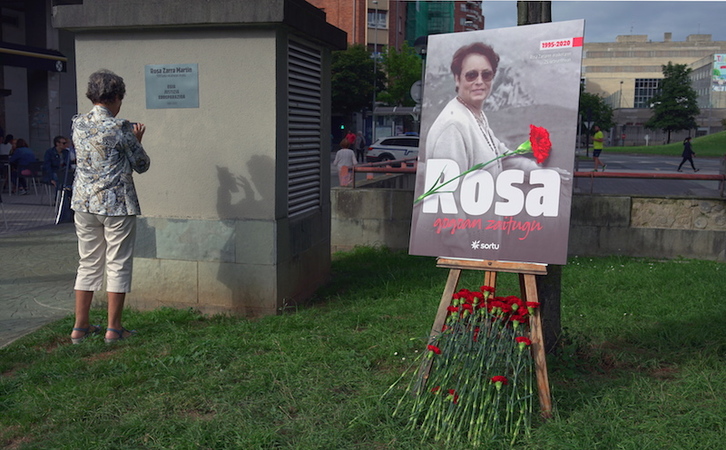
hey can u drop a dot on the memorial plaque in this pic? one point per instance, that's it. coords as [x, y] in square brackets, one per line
[172, 86]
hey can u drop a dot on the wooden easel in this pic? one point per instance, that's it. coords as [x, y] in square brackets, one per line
[528, 288]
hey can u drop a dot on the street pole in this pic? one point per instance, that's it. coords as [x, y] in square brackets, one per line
[375, 72]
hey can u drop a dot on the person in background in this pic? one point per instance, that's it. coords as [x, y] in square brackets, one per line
[55, 159]
[360, 147]
[108, 150]
[7, 145]
[344, 161]
[597, 146]
[688, 154]
[350, 137]
[20, 159]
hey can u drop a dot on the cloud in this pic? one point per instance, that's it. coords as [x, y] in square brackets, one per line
[605, 20]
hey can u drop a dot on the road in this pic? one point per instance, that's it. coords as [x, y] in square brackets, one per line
[632, 164]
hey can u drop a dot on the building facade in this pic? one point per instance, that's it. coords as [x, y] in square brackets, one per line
[627, 72]
[37, 74]
[378, 24]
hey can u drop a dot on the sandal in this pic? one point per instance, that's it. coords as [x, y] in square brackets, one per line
[89, 331]
[120, 333]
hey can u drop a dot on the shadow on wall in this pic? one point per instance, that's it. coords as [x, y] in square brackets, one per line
[240, 199]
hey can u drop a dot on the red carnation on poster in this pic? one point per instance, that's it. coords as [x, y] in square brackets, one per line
[541, 145]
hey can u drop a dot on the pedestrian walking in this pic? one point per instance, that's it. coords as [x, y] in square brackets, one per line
[597, 145]
[360, 147]
[687, 154]
[344, 161]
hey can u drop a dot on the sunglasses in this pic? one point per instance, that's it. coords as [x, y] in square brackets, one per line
[486, 75]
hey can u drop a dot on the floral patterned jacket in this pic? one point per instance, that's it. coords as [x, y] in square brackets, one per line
[106, 153]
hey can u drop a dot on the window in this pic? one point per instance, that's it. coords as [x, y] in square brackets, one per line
[645, 89]
[377, 18]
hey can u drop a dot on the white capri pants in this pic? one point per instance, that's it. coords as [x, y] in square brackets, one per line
[105, 242]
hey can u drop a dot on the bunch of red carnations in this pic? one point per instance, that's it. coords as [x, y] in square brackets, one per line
[474, 383]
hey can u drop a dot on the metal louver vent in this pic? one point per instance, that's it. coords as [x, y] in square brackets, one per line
[304, 130]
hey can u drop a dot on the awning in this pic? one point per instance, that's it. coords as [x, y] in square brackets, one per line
[32, 57]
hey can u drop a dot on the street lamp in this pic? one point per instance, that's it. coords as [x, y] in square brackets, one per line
[375, 70]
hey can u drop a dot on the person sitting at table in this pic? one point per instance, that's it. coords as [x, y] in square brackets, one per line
[21, 159]
[6, 147]
[55, 159]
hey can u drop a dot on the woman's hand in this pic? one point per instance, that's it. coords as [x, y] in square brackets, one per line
[138, 130]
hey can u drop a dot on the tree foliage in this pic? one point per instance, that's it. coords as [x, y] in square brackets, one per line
[593, 108]
[352, 79]
[402, 69]
[675, 106]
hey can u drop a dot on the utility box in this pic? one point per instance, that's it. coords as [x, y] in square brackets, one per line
[236, 100]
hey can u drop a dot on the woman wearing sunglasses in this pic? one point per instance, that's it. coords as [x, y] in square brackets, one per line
[461, 131]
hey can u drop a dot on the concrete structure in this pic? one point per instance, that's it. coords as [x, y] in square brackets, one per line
[236, 203]
[37, 82]
[626, 73]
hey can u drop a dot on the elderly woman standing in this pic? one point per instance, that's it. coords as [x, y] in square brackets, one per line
[105, 203]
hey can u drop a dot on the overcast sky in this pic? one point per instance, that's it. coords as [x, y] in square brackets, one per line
[604, 20]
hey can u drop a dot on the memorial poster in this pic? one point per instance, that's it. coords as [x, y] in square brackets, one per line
[497, 149]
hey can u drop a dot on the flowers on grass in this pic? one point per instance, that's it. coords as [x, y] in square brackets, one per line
[523, 342]
[433, 350]
[499, 381]
[479, 365]
[539, 145]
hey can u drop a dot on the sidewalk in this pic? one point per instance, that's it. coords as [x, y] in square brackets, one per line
[37, 267]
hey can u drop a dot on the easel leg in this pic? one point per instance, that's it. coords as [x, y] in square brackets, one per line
[528, 287]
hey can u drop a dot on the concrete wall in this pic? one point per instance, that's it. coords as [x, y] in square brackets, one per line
[648, 227]
[600, 225]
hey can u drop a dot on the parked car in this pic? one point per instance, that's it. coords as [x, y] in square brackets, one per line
[393, 147]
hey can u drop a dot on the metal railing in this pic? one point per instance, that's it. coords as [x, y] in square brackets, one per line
[409, 165]
[721, 178]
[406, 165]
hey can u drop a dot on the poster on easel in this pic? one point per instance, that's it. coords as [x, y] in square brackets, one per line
[497, 149]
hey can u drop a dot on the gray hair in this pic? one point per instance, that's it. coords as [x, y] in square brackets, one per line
[104, 86]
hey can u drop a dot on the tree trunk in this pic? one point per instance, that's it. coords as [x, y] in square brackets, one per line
[549, 287]
[533, 12]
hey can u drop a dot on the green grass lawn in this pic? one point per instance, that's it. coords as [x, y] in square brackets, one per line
[641, 365]
[712, 145]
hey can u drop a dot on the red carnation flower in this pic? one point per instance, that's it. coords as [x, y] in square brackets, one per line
[500, 379]
[523, 340]
[453, 396]
[433, 348]
[541, 145]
